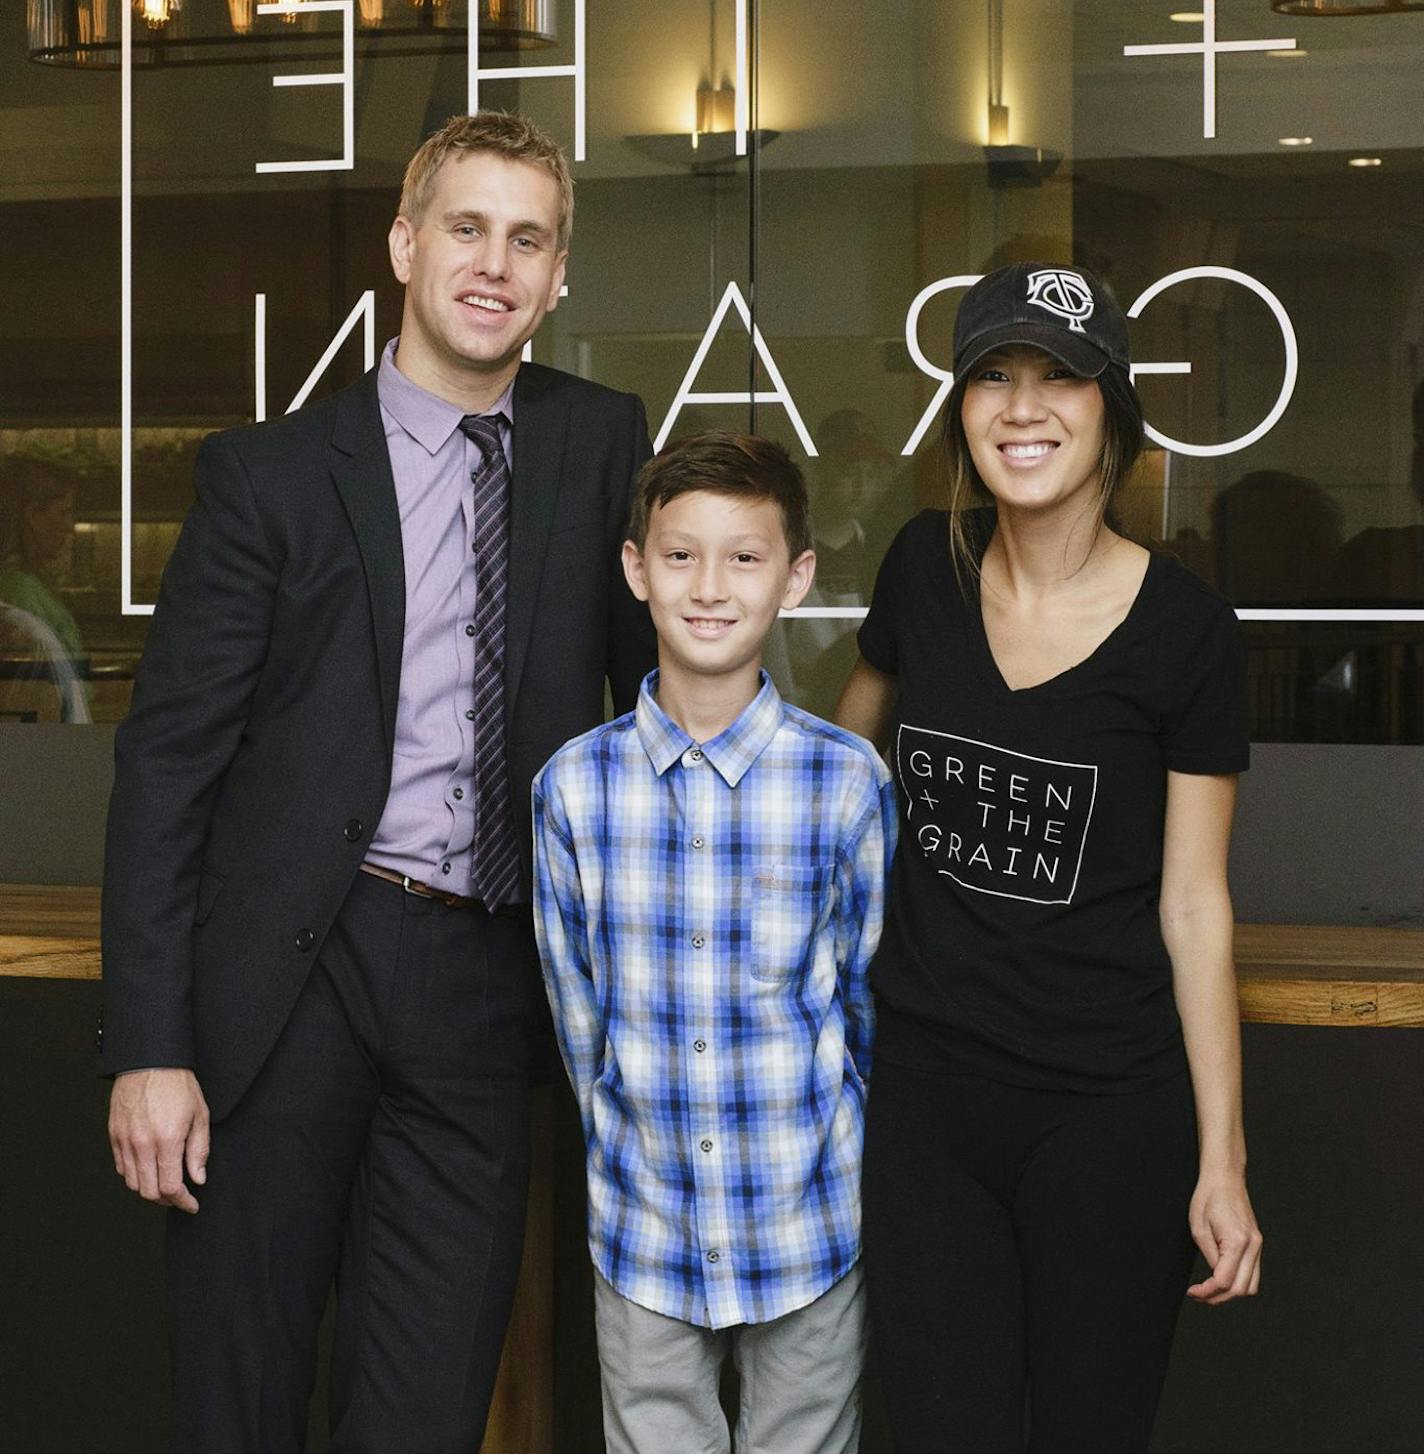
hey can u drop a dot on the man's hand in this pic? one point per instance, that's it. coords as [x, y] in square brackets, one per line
[158, 1124]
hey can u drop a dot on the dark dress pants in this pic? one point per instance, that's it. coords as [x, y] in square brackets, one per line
[383, 1146]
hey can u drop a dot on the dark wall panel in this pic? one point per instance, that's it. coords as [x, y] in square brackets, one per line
[1330, 835]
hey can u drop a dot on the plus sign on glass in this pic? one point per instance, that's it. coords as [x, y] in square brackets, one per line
[1207, 47]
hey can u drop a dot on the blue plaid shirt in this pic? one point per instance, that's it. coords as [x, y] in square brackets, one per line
[706, 915]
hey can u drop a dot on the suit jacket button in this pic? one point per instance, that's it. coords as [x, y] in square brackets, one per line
[353, 830]
[305, 939]
[99, 1034]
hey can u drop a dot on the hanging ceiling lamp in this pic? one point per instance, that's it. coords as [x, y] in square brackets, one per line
[212, 32]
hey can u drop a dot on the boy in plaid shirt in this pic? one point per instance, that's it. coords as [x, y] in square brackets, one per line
[710, 875]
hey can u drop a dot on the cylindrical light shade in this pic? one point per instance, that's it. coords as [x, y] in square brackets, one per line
[1345, 7]
[213, 32]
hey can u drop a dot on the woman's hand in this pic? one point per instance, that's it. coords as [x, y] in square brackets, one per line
[1224, 1227]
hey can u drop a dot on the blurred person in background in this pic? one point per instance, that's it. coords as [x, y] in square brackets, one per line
[37, 500]
[42, 657]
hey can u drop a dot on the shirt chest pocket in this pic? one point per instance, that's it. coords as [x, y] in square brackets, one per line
[790, 907]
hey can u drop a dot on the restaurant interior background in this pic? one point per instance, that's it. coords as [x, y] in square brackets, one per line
[779, 203]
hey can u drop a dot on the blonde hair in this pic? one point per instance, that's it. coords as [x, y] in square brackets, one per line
[515, 138]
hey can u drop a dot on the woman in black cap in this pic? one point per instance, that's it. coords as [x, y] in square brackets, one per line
[1056, 1107]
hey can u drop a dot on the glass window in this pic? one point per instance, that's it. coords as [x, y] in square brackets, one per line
[197, 239]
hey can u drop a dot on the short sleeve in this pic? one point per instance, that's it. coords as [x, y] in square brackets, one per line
[878, 637]
[1205, 727]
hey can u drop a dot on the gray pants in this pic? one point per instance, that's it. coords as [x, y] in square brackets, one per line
[800, 1377]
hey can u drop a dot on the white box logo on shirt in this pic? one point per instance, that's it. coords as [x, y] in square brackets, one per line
[996, 821]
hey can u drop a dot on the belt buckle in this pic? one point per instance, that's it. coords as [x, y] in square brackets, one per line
[412, 886]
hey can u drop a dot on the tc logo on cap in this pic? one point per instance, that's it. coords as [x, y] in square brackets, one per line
[1063, 293]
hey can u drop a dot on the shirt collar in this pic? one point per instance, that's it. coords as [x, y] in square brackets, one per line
[426, 417]
[732, 752]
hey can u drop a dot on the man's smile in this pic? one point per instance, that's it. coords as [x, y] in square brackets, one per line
[486, 302]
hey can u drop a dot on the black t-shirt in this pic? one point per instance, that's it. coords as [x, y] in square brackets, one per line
[1022, 939]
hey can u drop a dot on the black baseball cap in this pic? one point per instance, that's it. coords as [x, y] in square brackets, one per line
[1064, 311]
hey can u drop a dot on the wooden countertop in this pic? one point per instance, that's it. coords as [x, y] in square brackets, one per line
[49, 932]
[1290, 974]
[1330, 974]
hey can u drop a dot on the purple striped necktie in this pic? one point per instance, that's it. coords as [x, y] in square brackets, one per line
[496, 856]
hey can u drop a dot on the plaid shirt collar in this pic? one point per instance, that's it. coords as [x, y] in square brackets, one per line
[732, 752]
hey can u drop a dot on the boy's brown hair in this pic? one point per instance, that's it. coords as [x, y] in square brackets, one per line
[740, 465]
[512, 137]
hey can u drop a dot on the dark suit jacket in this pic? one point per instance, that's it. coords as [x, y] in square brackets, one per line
[255, 762]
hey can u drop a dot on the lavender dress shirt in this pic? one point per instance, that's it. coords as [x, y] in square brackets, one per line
[428, 827]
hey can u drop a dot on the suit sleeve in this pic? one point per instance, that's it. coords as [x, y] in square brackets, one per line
[205, 651]
[632, 643]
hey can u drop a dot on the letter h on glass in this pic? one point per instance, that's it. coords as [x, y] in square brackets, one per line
[578, 71]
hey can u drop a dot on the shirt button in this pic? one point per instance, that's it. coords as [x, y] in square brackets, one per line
[305, 939]
[698, 841]
[699, 1046]
[698, 941]
[696, 754]
[469, 714]
[706, 1145]
[353, 830]
[470, 629]
[459, 793]
[444, 868]
[714, 1256]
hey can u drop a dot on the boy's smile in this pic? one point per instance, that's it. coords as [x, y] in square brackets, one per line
[715, 571]
[710, 627]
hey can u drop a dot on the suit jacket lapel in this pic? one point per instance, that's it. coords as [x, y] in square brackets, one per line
[541, 422]
[363, 476]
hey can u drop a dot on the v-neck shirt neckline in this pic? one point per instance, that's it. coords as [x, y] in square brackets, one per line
[988, 663]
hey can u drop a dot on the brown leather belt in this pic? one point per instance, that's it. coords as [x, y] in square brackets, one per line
[422, 890]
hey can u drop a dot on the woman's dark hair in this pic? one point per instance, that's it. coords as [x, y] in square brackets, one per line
[1122, 443]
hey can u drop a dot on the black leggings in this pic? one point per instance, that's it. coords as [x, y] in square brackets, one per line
[1026, 1257]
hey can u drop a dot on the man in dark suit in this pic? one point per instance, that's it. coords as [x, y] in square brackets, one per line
[383, 614]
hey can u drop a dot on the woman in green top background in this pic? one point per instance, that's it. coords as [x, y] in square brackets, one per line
[37, 502]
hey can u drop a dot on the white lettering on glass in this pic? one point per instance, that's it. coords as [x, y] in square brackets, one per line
[345, 78]
[578, 72]
[1283, 322]
[933, 371]
[1207, 47]
[779, 394]
[364, 311]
